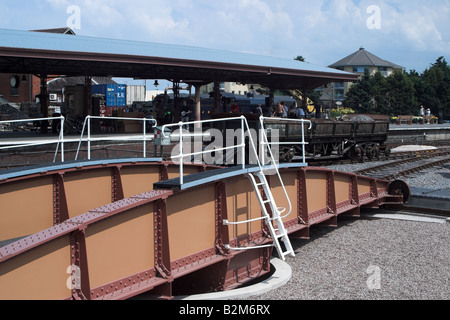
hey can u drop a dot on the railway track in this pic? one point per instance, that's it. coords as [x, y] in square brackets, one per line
[411, 163]
[398, 155]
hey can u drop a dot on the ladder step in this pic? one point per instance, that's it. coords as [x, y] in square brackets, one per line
[276, 215]
[281, 236]
[286, 253]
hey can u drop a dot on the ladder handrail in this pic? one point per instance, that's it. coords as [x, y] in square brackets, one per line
[266, 142]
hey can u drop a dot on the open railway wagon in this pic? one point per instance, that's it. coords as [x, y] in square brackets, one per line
[356, 137]
[117, 229]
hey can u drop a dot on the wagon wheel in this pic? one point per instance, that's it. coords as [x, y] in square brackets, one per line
[356, 154]
[373, 151]
[377, 152]
[399, 187]
[387, 152]
[370, 152]
[360, 154]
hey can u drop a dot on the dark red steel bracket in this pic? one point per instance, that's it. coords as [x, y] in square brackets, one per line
[222, 236]
[163, 172]
[351, 207]
[80, 273]
[161, 233]
[60, 208]
[116, 184]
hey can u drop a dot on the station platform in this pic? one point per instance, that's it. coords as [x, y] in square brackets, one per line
[418, 133]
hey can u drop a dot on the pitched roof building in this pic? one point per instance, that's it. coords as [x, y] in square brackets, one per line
[357, 62]
[361, 60]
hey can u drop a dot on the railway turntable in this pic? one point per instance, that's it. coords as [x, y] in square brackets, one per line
[114, 229]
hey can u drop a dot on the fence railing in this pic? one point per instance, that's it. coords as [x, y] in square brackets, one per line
[59, 142]
[19, 143]
[182, 135]
[87, 129]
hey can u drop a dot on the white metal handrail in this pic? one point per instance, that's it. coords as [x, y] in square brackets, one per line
[180, 125]
[265, 142]
[60, 141]
[303, 143]
[89, 139]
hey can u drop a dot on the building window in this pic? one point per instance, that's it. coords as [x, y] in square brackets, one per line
[383, 71]
[360, 69]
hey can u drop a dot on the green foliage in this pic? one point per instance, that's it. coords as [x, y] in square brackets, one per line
[435, 88]
[360, 96]
[402, 92]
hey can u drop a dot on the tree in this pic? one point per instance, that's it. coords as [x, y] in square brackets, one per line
[435, 88]
[379, 94]
[401, 93]
[299, 58]
[360, 96]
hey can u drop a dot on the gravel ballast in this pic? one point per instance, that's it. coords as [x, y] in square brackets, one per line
[410, 260]
[373, 259]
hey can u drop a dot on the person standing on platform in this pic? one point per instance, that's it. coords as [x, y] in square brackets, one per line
[301, 113]
[185, 113]
[428, 113]
[279, 111]
[293, 112]
[235, 107]
[259, 110]
[286, 110]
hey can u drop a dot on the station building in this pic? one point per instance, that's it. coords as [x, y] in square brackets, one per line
[358, 62]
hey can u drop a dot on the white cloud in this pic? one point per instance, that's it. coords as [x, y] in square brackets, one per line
[323, 31]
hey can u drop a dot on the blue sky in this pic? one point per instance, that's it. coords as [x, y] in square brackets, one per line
[410, 33]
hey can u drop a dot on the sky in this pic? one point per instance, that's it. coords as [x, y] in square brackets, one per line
[410, 33]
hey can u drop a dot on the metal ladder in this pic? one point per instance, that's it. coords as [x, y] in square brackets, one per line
[280, 232]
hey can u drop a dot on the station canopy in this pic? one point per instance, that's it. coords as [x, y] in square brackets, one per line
[26, 52]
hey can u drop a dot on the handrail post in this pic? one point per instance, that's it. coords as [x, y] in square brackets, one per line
[243, 141]
[62, 138]
[181, 154]
[145, 138]
[303, 142]
[262, 142]
[89, 137]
